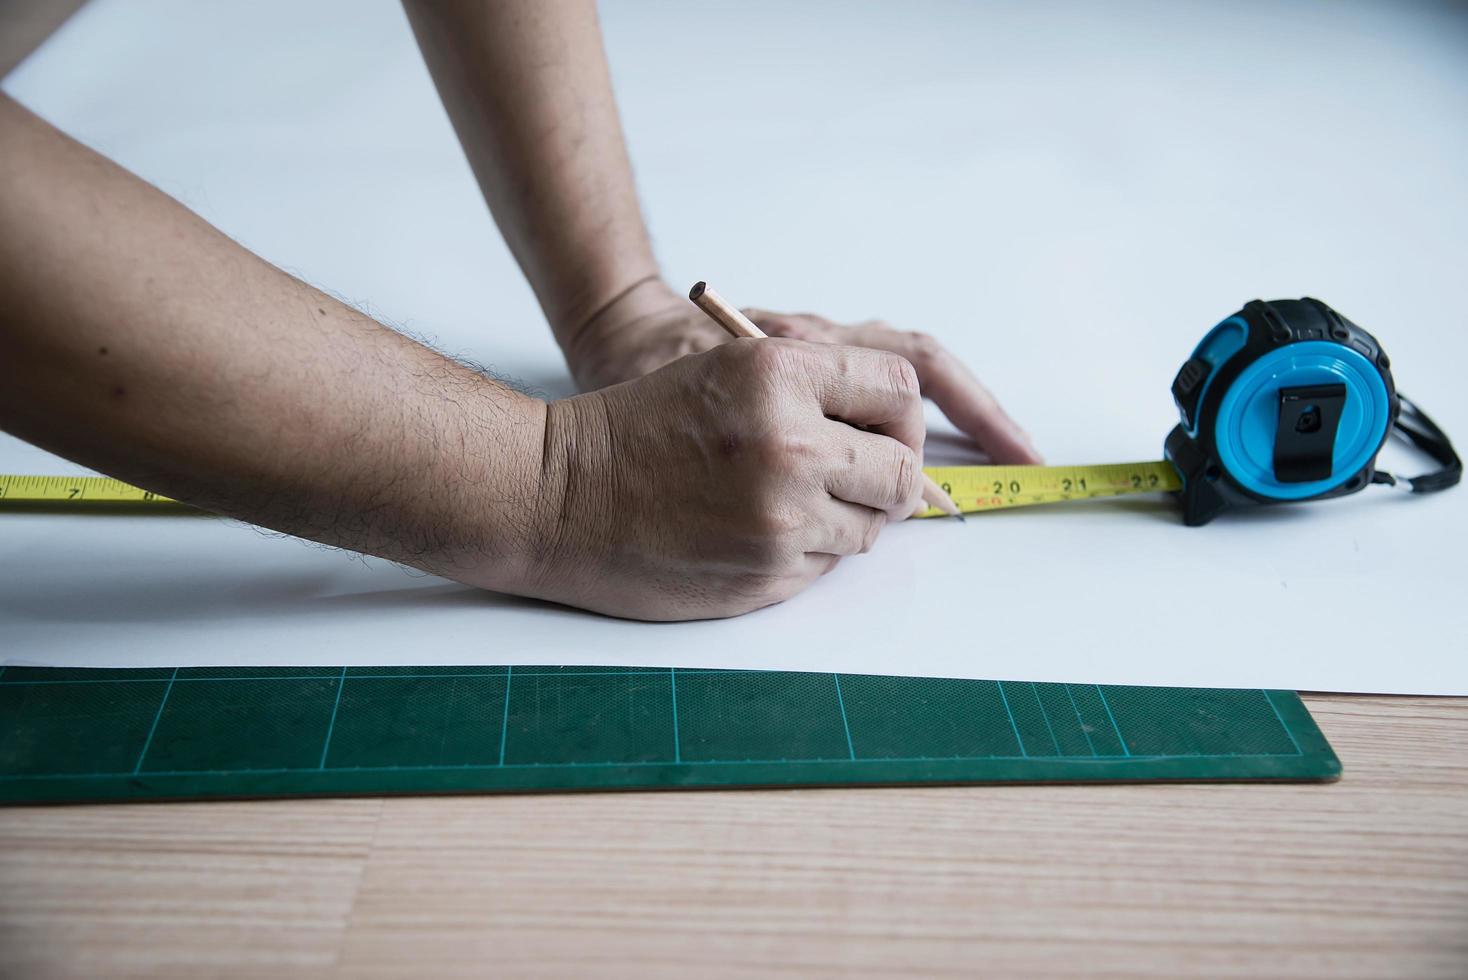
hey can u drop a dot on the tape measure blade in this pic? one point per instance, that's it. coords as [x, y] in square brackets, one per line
[67, 492]
[974, 488]
[981, 488]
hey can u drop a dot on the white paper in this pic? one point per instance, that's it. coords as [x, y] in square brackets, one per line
[1069, 196]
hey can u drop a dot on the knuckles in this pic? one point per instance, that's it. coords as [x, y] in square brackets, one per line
[786, 326]
[924, 348]
[762, 588]
[747, 360]
[876, 522]
[784, 452]
[769, 553]
[773, 528]
[774, 357]
[905, 475]
[904, 378]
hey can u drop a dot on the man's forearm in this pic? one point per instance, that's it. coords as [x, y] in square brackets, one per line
[526, 85]
[138, 340]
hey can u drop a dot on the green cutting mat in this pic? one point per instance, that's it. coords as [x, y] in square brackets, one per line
[230, 732]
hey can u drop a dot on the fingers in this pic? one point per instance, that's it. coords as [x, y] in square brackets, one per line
[970, 406]
[875, 389]
[816, 565]
[963, 399]
[955, 390]
[875, 472]
[841, 529]
[797, 326]
[942, 377]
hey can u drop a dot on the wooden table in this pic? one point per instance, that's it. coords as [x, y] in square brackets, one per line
[1367, 877]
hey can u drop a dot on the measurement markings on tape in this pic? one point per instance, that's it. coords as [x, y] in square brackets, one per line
[981, 488]
[78, 491]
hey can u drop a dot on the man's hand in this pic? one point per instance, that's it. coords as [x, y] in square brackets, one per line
[944, 378]
[727, 480]
[650, 325]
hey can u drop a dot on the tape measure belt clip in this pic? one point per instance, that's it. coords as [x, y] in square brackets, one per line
[1304, 443]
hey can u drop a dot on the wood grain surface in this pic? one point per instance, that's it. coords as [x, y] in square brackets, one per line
[1364, 878]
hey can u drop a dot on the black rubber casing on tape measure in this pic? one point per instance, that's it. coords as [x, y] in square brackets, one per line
[1283, 401]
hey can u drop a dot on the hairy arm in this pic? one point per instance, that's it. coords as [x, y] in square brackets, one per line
[138, 340]
[527, 88]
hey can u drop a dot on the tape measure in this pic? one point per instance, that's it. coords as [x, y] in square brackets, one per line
[1288, 401]
[1284, 401]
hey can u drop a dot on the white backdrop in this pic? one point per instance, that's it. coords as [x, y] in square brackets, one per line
[1102, 184]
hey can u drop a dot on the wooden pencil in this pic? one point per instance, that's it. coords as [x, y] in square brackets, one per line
[727, 315]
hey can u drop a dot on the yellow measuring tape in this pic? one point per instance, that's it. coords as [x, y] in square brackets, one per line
[77, 491]
[973, 488]
[980, 488]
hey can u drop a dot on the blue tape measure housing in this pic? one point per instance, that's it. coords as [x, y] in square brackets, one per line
[1266, 363]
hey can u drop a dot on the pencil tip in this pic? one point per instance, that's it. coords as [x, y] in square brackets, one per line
[961, 518]
[697, 289]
